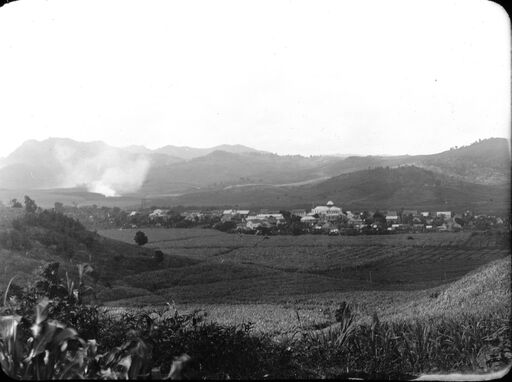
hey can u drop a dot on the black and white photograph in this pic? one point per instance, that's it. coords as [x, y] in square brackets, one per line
[242, 189]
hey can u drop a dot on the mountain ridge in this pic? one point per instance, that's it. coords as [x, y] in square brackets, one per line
[140, 172]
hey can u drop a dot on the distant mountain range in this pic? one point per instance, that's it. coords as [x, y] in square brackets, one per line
[236, 174]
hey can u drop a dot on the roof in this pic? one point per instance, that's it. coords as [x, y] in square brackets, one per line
[330, 203]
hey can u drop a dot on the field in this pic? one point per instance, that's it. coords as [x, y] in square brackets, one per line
[284, 282]
[248, 305]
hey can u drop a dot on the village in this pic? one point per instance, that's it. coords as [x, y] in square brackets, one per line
[326, 219]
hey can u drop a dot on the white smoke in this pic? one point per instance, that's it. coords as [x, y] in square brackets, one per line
[104, 170]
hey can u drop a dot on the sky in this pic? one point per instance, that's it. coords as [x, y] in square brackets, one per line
[291, 77]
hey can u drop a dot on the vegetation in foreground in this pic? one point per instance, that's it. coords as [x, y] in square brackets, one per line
[48, 332]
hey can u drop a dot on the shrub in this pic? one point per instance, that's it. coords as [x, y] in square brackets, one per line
[140, 238]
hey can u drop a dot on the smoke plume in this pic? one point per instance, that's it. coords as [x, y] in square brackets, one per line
[102, 169]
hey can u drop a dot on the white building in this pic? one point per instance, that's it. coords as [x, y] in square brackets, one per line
[328, 212]
[445, 214]
[158, 213]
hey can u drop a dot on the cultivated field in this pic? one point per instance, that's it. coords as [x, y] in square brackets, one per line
[284, 282]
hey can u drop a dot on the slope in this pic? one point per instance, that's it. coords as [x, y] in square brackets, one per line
[406, 186]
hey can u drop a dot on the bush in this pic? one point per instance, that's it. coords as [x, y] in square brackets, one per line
[140, 238]
[14, 240]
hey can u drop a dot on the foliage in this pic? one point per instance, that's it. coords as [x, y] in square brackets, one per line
[226, 226]
[30, 205]
[140, 238]
[15, 203]
[158, 256]
[15, 240]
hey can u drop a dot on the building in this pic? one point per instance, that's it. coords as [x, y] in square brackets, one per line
[300, 213]
[328, 212]
[272, 218]
[257, 223]
[158, 213]
[391, 217]
[308, 219]
[444, 214]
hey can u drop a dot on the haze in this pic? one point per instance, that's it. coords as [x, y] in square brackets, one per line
[290, 77]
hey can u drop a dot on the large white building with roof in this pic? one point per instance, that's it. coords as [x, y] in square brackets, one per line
[328, 212]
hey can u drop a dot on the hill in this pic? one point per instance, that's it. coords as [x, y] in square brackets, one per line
[65, 163]
[185, 152]
[219, 169]
[30, 240]
[484, 162]
[406, 186]
[235, 174]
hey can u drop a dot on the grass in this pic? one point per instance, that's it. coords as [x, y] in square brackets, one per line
[247, 269]
[288, 291]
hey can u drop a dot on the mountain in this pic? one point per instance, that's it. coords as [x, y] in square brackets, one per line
[219, 169]
[65, 163]
[235, 173]
[406, 186]
[483, 162]
[185, 152]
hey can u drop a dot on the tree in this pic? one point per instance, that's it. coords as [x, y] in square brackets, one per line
[16, 204]
[30, 205]
[58, 207]
[140, 238]
[379, 218]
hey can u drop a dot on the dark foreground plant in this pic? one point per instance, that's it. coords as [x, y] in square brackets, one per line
[47, 332]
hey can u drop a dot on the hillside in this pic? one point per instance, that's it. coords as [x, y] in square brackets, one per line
[483, 162]
[406, 186]
[219, 169]
[478, 175]
[65, 163]
[28, 241]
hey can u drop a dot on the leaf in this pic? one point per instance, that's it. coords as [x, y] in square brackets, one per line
[126, 362]
[64, 335]
[8, 325]
[7, 290]
[44, 339]
[42, 310]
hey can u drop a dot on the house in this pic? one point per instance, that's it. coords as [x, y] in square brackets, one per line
[158, 213]
[444, 214]
[355, 222]
[328, 212]
[418, 226]
[391, 217]
[257, 223]
[425, 214]
[308, 219]
[277, 216]
[350, 215]
[193, 215]
[300, 213]
[238, 215]
[413, 213]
